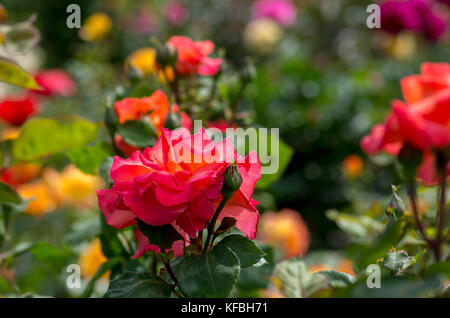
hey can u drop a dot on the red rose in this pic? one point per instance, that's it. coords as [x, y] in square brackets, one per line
[156, 107]
[179, 182]
[424, 122]
[15, 110]
[192, 57]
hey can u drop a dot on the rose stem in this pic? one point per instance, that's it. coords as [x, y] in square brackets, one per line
[174, 278]
[212, 224]
[412, 198]
[440, 216]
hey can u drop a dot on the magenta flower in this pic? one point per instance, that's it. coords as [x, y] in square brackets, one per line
[282, 11]
[176, 13]
[414, 15]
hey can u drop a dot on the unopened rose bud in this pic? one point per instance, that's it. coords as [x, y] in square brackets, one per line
[166, 56]
[232, 181]
[173, 121]
[396, 207]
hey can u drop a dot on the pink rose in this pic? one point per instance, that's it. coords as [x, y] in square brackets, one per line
[178, 181]
[281, 11]
[55, 82]
[192, 57]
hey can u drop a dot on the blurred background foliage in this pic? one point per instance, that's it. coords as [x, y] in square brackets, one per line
[323, 80]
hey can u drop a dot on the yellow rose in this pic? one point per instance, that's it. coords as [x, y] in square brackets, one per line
[41, 196]
[96, 27]
[91, 259]
[262, 36]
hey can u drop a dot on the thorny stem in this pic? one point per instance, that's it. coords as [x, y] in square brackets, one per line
[212, 224]
[412, 197]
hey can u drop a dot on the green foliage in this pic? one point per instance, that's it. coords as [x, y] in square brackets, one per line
[8, 194]
[53, 257]
[293, 278]
[210, 275]
[255, 278]
[104, 170]
[111, 245]
[280, 158]
[389, 238]
[12, 73]
[394, 287]
[138, 285]
[162, 236]
[139, 133]
[103, 269]
[89, 158]
[41, 137]
[246, 250]
[398, 261]
[361, 228]
[338, 279]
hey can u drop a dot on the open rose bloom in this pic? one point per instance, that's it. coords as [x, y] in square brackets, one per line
[192, 57]
[422, 121]
[179, 182]
[156, 107]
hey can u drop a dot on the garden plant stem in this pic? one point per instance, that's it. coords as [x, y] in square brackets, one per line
[212, 224]
[431, 243]
[442, 206]
[174, 278]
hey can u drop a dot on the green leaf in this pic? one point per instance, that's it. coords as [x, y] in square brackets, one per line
[246, 250]
[83, 230]
[89, 158]
[338, 279]
[263, 146]
[111, 245]
[210, 275]
[442, 268]
[394, 287]
[138, 285]
[294, 279]
[9, 195]
[53, 257]
[139, 133]
[398, 261]
[105, 170]
[12, 73]
[361, 228]
[40, 137]
[162, 236]
[258, 277]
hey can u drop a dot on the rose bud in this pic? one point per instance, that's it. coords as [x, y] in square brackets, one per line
[173, 121]
[232, 181]
[396, 207]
